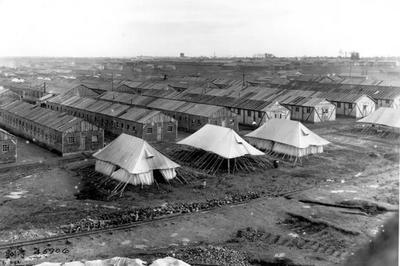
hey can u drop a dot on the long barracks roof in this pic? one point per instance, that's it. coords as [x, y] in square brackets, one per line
[201, 109]
[223, 83]
[304, 101]
[71, 101]
[7, 96]
[166, 93]
[162, 104]
[82, 103]
[132, 84]
[146, 85]
[376, 91]
[132, 99]
[165, 104]
[341, 97]
[139, 115]
[114, 109]
[184, 107]
[245, 102]
[58, 99]
[48, 118]
[97, 106]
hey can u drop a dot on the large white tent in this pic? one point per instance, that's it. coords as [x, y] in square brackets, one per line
[384, 122]
[286, 137]
[384, 116]
[220, 140]
[221, 145]
[129, 159]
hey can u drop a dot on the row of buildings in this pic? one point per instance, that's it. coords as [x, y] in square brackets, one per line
[116, 118]
[252, 105]
[306, 98]
[309, 100]
[155, 111]
[135, 111]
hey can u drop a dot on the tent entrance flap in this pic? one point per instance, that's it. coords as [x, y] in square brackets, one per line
[134, 179]
[168, 174]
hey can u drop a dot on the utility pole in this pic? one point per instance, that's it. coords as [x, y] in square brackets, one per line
[112, 81]
[350, 67]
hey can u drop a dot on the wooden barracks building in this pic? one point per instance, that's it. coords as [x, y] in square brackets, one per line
[54, 130]
[8, 147]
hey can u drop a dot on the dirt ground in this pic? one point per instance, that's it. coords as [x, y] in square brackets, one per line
[344, 196]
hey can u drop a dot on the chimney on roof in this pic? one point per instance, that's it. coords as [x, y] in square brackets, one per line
[44, 87]
[243, 80]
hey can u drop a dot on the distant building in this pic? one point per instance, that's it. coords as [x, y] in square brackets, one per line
[8, 147]
[84, 91]
[349, 104]
[182, 55]
[307, 109]
[355, 56]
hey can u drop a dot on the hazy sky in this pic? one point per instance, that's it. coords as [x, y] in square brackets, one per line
[201, 27]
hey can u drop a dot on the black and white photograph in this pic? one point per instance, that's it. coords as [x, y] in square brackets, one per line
[199, 132]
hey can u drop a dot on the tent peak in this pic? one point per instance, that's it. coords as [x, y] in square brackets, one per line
[222, 141]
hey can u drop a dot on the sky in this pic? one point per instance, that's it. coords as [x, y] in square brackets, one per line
[127, 28]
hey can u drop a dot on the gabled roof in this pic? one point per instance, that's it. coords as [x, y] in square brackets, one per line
[48, 118]
[2, 131]
[84, 90]
[288, 132]
[121, 97]
[132, 84]
[134, 155]
[342, 97]
[81, 103]
[7, 96]
[97, 106]
[383, 116]
[222, 141]
[302, 101]
[114, 109]
[139, 115]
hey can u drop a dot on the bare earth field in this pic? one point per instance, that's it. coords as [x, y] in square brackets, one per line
[317, 213]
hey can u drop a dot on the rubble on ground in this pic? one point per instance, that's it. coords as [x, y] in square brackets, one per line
[212, 255]
[120, 261]
[149, 213]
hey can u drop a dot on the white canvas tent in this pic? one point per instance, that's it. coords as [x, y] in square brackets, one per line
[384, 116]
[131, 160]
[385, 122]
[220, 140]
[221, 145]
[286, 137]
